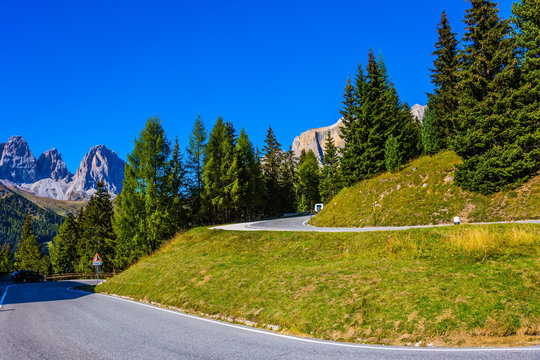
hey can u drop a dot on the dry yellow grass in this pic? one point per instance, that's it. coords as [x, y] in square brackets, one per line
[489, 241]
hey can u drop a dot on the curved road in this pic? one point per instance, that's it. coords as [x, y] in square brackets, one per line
[52, 321]
[299, 223]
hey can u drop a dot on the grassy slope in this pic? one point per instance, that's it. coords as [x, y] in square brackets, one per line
[425, 195]
[467, 285]
[60, 207]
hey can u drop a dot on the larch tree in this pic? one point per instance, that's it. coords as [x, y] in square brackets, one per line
[141, 209]
[28, 255]
[7, 264]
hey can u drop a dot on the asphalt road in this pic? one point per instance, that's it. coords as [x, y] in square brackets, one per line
[51, 321]
[299, 223]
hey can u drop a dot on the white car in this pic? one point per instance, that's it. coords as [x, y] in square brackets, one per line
[318, 207]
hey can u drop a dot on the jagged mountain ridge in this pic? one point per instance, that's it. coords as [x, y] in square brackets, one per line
[314, 139]
[49, 176]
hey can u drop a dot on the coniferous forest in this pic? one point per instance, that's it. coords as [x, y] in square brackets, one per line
[484, 105]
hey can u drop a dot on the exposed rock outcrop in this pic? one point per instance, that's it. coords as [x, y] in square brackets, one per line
[314, 140]
[17, 164]
[418, 112]
[51, 165]
[99, 164]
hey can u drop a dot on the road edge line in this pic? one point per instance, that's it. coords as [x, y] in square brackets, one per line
[313, 341]
[4, 296]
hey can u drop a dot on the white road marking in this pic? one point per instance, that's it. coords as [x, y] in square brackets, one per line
[4, 296]
[313, 341]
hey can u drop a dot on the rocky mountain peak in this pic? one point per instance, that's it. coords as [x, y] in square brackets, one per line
[51, 165]
[99, 164]
[314, 140]
[17, 163]
[418, 111]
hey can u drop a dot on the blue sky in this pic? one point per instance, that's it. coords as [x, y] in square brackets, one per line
[74, 74]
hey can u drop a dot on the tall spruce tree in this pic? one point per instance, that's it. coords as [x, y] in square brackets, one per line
[372, 113]
[28, 255]
[330, 182]
[141, 208]
[217, 175]
[194, 167]
[97, 235]
[444, 76]
[273, 157]
[247, 192]
[526, 97]
[175, 197]
[287, 180]
[487, 133]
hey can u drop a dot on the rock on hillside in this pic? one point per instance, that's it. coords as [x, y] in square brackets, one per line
[314, 140]
[17, 164]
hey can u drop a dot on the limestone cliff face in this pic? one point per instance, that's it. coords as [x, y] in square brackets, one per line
[51, 165]
[99, 164]
[314, 140]
[418, 112]
[17, 164]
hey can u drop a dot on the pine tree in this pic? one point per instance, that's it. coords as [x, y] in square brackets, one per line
[194, 167]
[6, 259]
[28, 255]
[217, 175]
[141, 208]
[307, 182]
[247, 189]
[330, 182]
[444, 76]
[63, 250]
[97, 235]
[487, 132]
[526, 98]
[174, 204]
[287, 180]
[271, 164]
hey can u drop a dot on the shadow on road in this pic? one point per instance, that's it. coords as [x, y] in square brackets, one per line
[42, 292]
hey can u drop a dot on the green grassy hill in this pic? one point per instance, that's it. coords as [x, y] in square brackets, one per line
[424, 193]
[467, 285]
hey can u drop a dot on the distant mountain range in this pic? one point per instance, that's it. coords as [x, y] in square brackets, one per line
[314, 139]
[49, 177]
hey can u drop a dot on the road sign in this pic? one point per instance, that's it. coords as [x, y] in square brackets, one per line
[97, 260]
